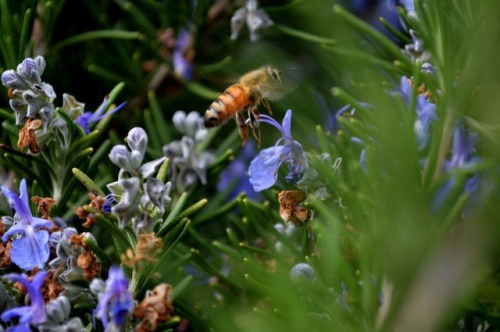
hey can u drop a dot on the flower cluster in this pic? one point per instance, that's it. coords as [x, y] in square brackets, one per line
[189, 164]
[136, 191]
[255, 18]
[32, 102]
[30, 97]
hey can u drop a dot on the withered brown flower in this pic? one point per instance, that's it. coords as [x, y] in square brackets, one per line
[147, 247]
[156, 307]
[86, 261]
[27, 137]
[290, 210]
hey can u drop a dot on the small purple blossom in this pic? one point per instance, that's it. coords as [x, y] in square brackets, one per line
[461, 157]
[35, 312]
[264, 168]
[87, 119]
[32, 249]
[180, 57]
[115, 302]
[425, 110]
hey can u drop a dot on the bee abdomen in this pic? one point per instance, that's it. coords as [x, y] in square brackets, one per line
[231, 101]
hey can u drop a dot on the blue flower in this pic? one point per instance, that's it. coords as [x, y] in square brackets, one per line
[425, 110]
[32, 249]
[116, 301]
[263, 168]
[426, 114]
[89, 118]
[35, 312]
[461, 156]
[181, 57]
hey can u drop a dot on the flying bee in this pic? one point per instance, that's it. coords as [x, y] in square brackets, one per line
[253, 88]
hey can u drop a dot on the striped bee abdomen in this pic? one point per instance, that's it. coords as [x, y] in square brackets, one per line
[234, 99]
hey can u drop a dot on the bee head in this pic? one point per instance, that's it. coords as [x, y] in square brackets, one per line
[274, 74]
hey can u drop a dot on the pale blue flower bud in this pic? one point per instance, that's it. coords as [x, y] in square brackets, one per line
[58, 309]
[128, 204]
[120, 156]
[12, 80]
[46, 113]
[28, 70]
[97, 286]
[137, 139]
[302, 273]
[40, 63]
[20, 108]
[178, 120]
[60, 129]
[158, 192]
[34, 103]
[135, 160]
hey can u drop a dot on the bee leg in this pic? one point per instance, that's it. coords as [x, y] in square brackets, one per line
[266, 105]
[254, 116]
[243, 128]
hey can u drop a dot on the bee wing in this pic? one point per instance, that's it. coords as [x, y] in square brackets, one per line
[271, 91]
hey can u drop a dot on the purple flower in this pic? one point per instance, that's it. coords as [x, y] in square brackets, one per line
[463, 146]
[32, 249]
[426, 113]
[115, 302]
[180, 57]
[35, 312]
[89, 118]
[263, 168]
[461, 157]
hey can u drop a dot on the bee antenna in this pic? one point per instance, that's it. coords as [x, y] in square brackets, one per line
[287, 69]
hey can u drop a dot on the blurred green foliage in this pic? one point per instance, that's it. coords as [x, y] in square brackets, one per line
[384, 257]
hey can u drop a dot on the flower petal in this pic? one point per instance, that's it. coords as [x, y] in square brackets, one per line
[287, 125]
[19, 203]
[31, 250]
[263, 168]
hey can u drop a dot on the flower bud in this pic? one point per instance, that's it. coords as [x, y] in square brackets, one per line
[11, 80]
[135, 160]
[28, 70]
[120, 156]
[179, 121]
[58, 310]
[46, 113]
[302, 273]
[137, 139]
[97, 286]
[40, 63]
[192, 123]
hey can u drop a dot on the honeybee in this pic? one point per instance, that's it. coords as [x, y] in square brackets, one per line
[253, 88]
